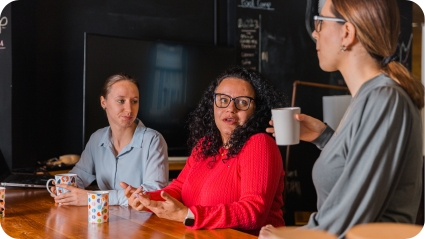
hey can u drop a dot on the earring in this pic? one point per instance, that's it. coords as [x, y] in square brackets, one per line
[343, 48]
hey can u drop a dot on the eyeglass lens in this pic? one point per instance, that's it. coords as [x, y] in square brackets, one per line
[241, 102]
[317, 25]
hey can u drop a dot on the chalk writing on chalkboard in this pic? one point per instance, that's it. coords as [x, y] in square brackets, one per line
[3, 23]
[256, 4]
[249, 30]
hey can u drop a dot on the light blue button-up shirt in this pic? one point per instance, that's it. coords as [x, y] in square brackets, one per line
[143, 162]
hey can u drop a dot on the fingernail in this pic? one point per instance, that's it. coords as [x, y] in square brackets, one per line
[136, 195]
[128, 187]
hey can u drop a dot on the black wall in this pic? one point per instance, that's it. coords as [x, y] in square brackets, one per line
[5, 83]
[48, 58]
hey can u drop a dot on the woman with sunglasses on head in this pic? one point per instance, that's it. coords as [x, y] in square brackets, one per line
[234, 175]
[370, 167]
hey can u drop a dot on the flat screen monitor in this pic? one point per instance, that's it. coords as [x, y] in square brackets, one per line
[172, 79]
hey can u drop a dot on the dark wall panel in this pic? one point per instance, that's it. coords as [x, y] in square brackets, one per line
[5, 83]
[49, 58]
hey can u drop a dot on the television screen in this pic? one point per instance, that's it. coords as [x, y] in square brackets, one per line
[172, 79]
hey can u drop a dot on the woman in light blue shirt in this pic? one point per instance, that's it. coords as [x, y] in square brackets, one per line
[126, 150]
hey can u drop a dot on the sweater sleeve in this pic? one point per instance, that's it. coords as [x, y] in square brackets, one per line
[260, 171]
[324, 137]
[373, 167]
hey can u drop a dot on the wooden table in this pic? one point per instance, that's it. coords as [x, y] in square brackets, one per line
[32, 213]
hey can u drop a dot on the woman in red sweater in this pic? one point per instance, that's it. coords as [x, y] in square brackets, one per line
[234, 175]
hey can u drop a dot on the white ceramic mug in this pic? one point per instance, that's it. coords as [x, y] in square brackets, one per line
[98, 206]
[65, 178]
[286, 127]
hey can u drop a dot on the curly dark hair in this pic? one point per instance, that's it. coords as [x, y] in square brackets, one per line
[201, 121]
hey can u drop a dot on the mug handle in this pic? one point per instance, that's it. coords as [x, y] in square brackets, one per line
[47, 185]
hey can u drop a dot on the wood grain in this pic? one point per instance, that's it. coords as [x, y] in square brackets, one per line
[32, 213]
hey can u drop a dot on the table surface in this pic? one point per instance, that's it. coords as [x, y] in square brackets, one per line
[32, 213]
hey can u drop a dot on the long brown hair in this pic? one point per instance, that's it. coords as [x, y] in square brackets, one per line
[377, 25]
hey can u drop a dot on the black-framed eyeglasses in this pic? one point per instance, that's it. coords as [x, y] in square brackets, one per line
[241, 102]
[319, 19]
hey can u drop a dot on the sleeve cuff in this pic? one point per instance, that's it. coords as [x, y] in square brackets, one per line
[324, 137]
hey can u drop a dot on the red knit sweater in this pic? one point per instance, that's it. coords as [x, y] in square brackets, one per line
[244, 192]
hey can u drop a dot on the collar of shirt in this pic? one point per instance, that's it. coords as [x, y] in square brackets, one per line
[136, 142]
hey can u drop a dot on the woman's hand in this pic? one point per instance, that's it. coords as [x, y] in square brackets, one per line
[310, 128]
[270, 232]
[131, 193]
[170, 209]
[270, 130]
[75, 196]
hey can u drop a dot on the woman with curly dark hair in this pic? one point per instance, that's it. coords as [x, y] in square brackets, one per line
[201, 126]
[234, 175]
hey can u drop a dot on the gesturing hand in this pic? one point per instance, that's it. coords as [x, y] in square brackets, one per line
[76, 196]
[170, 209]
[130, 193]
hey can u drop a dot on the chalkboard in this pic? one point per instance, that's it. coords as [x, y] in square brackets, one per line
[249, 30]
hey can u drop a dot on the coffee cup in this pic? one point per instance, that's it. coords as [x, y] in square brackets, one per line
[286, 126]
[65, 178]
[98, 206]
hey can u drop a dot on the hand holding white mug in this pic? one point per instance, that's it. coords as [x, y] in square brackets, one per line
[310, 128]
